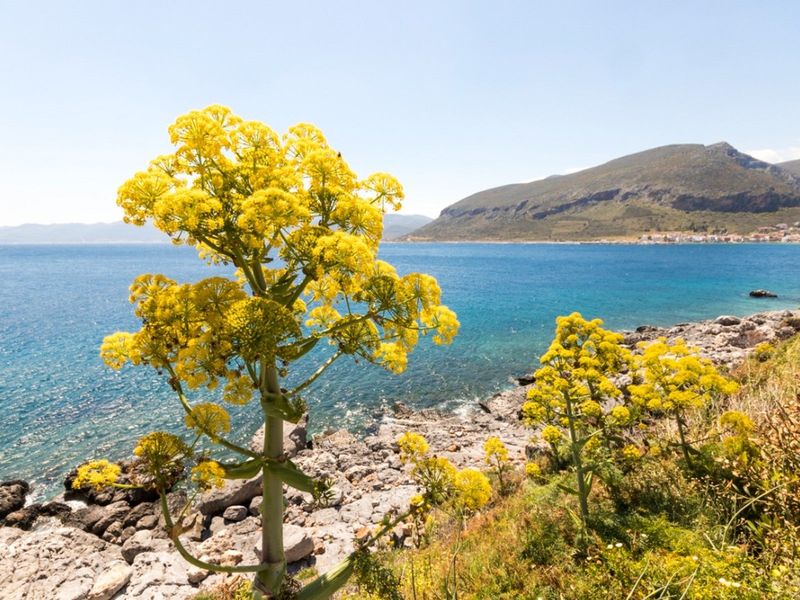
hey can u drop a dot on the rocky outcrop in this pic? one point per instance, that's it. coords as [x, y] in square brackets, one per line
[726, 340]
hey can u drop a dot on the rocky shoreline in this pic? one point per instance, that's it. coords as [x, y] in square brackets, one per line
[113, 545]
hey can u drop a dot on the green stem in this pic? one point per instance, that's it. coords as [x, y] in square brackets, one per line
[583, 491]
[272, 555]
[316, 374]
[684, 444]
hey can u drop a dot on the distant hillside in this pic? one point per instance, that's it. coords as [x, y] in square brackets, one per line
[395, 226]
[685, 187]
[81, 233]
[122, 233]
[793, 166]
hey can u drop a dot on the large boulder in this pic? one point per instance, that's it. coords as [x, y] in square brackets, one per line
[234, 492]
[110, 581]
[25, 517]
[297, 543]
[144, 541]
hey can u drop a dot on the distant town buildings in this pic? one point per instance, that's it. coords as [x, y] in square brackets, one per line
[781, 232]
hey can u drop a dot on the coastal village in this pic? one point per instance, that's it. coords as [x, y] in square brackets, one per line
[781, 233]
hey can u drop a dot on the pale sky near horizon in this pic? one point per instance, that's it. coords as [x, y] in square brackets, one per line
[451, 97]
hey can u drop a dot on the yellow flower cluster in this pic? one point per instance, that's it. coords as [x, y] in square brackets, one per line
[465, 490]
[412, 447]
[675, 378]
[236, 190]
[208, 474]
[551, 434]
[738, 446]
[235, 180]
[495, 451]
[533, 470]
[577, 368]
[631, 453]
[472, 488]
[162, 455]
[117, 349]
[208, 419]
[96, 474]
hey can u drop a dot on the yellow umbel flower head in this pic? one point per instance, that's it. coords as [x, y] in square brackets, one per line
[495, 451]
[412, 447]
[472, 489]
[96, 474]
[208, 419]
[208, 474]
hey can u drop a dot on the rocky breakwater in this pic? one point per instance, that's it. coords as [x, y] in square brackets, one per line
[113, 544]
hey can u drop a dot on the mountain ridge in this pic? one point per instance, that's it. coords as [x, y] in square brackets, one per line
[678, 187]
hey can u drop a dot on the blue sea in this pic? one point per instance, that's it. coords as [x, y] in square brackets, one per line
[60, 405]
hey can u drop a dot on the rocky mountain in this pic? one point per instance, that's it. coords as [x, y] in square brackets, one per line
[683, 187]
[118, 232]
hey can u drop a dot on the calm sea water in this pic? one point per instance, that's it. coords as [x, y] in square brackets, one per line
[60, 405]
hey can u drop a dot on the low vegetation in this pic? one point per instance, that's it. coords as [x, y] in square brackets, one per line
[693, 494]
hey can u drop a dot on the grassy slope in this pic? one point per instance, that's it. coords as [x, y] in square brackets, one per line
[676, 540]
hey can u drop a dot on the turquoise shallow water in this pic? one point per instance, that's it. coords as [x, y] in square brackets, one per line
[61, 405]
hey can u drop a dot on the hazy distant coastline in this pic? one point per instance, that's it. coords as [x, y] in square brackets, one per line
[121, 233]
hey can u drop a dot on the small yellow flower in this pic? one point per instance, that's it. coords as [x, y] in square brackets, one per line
[620, 415]
[551, 434]
[472, 488]
[209, 419]
[533, 470]
[412, 447]
[96, 474]
[495, 451]
[631, 453]
[208, 474]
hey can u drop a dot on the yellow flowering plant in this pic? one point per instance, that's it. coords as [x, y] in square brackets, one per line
[302, 231]
[573, 389]
[673, 380]
[441, 484]
[496, 456]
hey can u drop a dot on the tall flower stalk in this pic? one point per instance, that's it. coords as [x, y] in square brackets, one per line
[302, 231]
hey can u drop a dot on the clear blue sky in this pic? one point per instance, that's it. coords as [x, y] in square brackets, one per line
[451, 97]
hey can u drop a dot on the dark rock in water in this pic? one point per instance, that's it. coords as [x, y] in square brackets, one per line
[12, 496]
[23, 518]
[526, 379]
[646, 328]
[763, 294]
